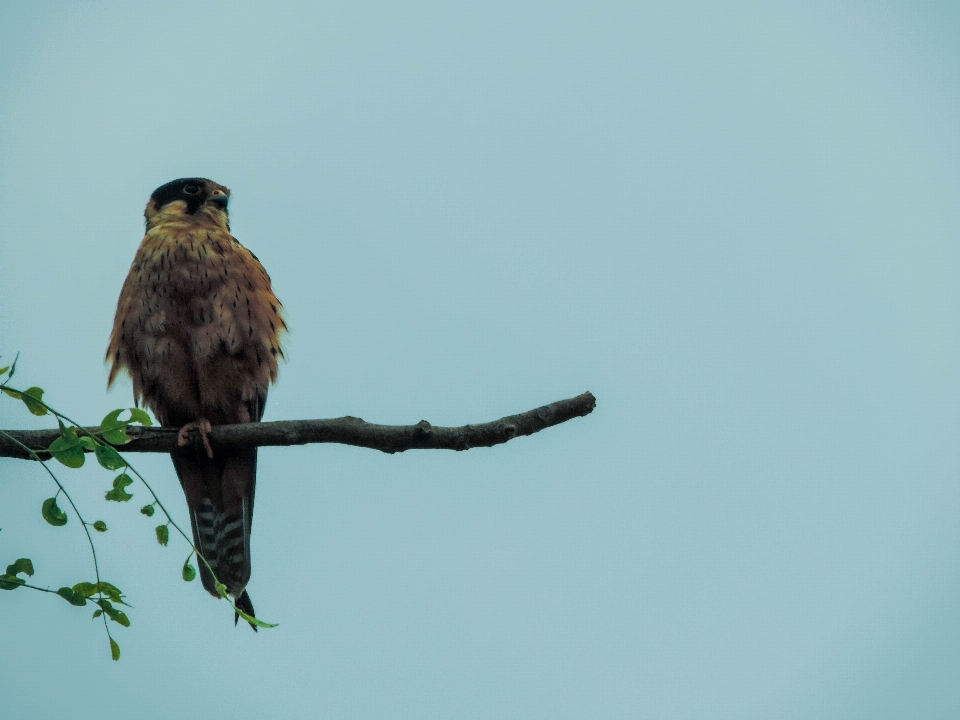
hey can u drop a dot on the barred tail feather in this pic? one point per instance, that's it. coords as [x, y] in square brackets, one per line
[224, 541]
[220, 497]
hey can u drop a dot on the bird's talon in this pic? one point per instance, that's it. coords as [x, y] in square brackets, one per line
[202, 426]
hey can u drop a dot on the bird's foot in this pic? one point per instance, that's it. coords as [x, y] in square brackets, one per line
[202, 426]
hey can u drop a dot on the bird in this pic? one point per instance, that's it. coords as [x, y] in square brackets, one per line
[198, 329]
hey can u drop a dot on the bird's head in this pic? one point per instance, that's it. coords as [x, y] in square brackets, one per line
[197, 198]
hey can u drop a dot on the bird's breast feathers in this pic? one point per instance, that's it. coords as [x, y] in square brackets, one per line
[196, 301]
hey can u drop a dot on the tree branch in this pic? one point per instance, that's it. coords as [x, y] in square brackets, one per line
[345, 430]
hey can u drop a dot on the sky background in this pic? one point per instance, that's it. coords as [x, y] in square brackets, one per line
[735, 223]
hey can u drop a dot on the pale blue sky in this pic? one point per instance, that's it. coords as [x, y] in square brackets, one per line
[735, 223]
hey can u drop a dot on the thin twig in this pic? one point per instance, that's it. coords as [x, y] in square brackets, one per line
[86, 526]
[93, 432]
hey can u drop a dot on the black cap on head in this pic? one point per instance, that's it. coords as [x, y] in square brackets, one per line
[192, 191]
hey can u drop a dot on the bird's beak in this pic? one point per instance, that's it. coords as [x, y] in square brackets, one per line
[220, 200]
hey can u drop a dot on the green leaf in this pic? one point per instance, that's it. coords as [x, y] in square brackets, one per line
[52, 513]
[147, 510]
[72, 597]
[66, 448]
[96, 614]
[72, 458]
[118, 616]
[140, 416]
[85, 589]
[163, 534]
[111, 591]
[113, 429]
[30, 398]
[189, 572]
[68, 439]
[23, 565]
[10, 582]
[4, 369]
[252, 619]
[100, 526]
[119, 494]
[117, 437]
[109, 458]
[88, 443]
[11, 392]
[111, 422]
[221, 589]
[114, 649]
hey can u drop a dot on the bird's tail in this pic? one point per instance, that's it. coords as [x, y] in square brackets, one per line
[245, 604]
[220, 494]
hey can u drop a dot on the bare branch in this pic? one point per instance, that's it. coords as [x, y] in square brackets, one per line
[345, 430]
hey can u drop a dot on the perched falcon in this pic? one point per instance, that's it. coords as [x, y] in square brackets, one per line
[197, 328]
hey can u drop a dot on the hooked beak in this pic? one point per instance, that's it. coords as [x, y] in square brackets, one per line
[220, 199]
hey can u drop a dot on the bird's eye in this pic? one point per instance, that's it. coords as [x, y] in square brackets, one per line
[191, 189]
